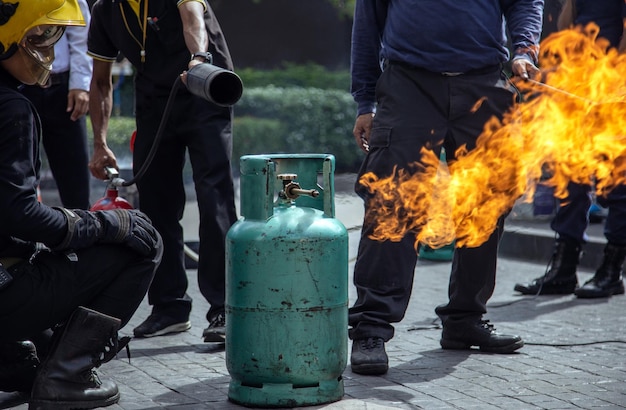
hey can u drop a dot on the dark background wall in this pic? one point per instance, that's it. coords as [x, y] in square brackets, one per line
[550, 15]
[265, 34]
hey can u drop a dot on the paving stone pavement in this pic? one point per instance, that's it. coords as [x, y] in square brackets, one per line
[574, 355]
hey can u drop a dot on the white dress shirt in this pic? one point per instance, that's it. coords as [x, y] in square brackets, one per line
[70, 53]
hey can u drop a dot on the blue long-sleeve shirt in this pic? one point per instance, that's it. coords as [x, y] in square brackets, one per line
[439, 36]
[607, 14]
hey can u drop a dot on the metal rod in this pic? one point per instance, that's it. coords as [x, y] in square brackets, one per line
[558, 90]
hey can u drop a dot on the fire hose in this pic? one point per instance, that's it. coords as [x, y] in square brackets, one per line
[214, 84]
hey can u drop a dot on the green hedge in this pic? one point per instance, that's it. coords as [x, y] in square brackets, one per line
[118, 138]
[278, 120]
[294, 75]
[297, 120]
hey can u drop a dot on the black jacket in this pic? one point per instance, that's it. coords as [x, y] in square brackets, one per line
[23, 219]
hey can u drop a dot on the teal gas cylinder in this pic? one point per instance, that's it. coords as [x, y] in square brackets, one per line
[286, 284]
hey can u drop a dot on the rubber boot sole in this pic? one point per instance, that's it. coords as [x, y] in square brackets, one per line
[547, 289]
[460, 345]
[175, 328]
[371, 369]
[211, 337]
[583, 293]
[65, 405]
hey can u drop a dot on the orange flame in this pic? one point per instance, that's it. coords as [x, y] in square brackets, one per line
[571, 124]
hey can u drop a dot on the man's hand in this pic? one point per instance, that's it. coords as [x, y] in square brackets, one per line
[524, 68]
[102, 157]
[362, 129]
[128, 227]
[77, 103]
[131, 228]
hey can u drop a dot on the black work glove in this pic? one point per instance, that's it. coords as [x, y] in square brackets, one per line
[129, 227]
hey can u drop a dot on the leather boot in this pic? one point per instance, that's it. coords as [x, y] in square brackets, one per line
[67, 377]
[18, 366]
[561, 277]
[607, 280]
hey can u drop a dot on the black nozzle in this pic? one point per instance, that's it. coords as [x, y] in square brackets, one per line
[217, 85]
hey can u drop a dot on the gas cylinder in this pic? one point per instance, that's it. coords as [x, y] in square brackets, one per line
[286, 284]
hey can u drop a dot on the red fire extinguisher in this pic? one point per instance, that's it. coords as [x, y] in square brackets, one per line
[111, 200]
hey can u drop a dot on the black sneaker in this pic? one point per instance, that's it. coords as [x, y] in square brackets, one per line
[216, 332]
[482, 334]
[369, 356]
[159, 325]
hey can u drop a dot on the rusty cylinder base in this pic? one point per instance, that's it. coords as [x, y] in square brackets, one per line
[277, 395]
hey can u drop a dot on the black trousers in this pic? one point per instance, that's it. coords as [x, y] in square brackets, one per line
[64, 141]
[204, 130]
[110, 279]
[417, 109]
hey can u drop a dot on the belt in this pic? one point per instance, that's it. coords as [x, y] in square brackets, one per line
[9, 261]
[477, 71]
[59, 78]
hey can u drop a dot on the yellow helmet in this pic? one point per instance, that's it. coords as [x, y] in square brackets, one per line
[20, 16]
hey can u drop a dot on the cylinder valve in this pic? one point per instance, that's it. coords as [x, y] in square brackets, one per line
[292, 190]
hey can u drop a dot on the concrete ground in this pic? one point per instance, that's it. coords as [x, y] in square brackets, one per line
[574, 355]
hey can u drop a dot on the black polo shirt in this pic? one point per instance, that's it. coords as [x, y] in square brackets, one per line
[115, 28]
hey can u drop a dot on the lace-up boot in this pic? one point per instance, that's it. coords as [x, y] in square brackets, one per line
[67, 378]
[607, 280]
[561, 277]
[463, 335]
[18, 365]
[369, 356]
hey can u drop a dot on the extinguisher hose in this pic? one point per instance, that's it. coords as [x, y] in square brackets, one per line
[158, 136]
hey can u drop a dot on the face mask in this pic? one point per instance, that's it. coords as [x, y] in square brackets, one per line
[37, 51]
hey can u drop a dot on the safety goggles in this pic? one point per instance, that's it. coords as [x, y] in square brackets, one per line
[43, 36]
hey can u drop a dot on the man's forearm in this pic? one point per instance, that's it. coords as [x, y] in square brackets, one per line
[100, 106]
[194, 29]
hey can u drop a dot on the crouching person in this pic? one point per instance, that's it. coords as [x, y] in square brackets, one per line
[69, 279]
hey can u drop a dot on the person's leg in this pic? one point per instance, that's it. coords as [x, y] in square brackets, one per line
[162, 198]
[46, 291]
[473, 275]
[210, 146]
[67, 378]
[108, 278]
[406, 121]
[65, 143]
[18, 365]
[572, 217]
[607, 280]
[570, 223]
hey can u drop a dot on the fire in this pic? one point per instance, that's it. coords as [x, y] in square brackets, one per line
[571, 125]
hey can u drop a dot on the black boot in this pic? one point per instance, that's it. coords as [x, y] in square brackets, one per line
[18, 366]
[607, 280]
[561, 278]
[67, 378]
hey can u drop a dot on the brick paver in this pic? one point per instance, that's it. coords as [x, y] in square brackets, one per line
[574, 357]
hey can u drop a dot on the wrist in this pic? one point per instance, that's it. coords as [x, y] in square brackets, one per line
[203, 56]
